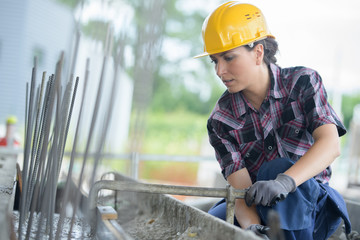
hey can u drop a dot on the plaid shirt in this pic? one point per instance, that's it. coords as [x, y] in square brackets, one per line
[294, 107]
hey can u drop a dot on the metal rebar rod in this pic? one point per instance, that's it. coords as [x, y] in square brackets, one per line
[109, 111]
[76, 50]
[37, 126]
[56, 153]
[72, 157]
[35, 174]
[53, 156]
[89, 139]
[69, 118]
[229, 193]
[43, 164]
[23, 200]
[34, 143]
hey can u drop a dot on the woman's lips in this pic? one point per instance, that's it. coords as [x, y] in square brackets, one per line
[228, 82]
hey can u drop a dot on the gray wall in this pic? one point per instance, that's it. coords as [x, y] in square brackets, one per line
[29, 28]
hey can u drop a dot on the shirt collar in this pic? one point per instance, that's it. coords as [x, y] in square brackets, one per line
[238, 104]
[277, 90]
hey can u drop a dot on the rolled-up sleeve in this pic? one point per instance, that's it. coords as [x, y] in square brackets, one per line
[316, 106]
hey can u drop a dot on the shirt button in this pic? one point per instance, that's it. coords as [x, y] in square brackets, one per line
[297, 131]
[247, 155]
[270, 148]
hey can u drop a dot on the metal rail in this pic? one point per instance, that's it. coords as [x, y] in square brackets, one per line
[229, 192]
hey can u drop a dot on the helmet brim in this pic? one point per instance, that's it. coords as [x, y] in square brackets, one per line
[204, 54]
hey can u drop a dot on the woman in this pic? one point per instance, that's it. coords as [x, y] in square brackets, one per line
[273, 130]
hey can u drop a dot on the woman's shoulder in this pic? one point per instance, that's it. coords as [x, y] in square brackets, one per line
[299, 76]
[299, 71]
[223, 105]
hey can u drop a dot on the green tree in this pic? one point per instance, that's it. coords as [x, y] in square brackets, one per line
[73, 4]
[182, 29]
[347, 106]
[177, 86]
[171, 92]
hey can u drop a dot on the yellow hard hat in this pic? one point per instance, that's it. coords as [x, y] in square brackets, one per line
[233, 24]
[11, 120]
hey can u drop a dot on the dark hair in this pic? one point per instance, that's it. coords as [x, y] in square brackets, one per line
[270, 49]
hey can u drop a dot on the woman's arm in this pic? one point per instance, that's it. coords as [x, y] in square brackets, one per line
[325, 150]
[245, 215]
[321, 154]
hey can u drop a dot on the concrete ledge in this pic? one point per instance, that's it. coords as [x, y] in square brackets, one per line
[7, 193]
[162, 216]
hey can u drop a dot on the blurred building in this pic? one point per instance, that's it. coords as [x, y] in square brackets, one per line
[29, 28]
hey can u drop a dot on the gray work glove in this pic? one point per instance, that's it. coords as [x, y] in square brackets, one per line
[259, 230]
[268, 193]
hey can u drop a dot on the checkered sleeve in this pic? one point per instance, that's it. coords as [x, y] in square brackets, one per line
[226, 150]
[317, 109]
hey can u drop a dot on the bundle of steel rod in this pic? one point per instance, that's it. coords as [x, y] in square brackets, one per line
[49, 106]
[48, 112]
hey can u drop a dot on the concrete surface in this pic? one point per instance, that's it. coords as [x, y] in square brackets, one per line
[7, 193]
[158, 216]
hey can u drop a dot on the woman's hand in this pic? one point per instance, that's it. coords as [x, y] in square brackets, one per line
[268, 193]
[259, 230]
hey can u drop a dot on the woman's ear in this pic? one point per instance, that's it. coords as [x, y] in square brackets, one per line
[259, 51]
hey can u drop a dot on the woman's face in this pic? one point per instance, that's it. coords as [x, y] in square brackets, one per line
[236, 68]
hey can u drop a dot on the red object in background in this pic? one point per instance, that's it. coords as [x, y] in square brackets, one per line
[9, 140]
[3, 142]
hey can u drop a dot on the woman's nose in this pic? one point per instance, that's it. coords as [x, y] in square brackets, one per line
[220, 69]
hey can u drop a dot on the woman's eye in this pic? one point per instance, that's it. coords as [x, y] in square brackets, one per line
[213, 61]
[228, 58]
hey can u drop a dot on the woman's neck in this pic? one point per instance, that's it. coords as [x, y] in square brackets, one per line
[259, 90]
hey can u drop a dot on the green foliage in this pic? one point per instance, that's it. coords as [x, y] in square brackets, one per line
[175, 133]
[178, 112]
[171, 92]
[96, 29]
[348, 103]
[168, 99]
[73, 4]
[172, 133]
[119, 165]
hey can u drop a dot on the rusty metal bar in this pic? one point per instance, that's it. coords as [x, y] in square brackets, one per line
[229, 192]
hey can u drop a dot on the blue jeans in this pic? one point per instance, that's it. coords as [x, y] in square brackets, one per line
[313, 211]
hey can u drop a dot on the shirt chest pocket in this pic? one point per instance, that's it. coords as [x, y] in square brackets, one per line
[244, 135]
[249, 144]
[293, 130]
[292, 124]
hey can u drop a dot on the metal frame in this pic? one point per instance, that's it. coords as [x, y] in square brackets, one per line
[229, 192]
